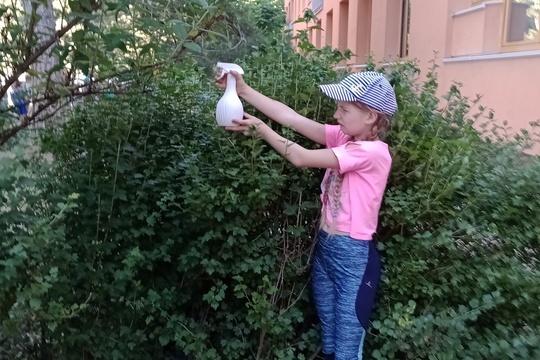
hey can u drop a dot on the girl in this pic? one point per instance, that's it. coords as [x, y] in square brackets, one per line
[346, 267]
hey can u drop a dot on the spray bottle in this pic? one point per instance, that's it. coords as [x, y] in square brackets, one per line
[229, 106]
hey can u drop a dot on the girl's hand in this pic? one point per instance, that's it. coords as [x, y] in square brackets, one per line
[248, 125]
[221, 82]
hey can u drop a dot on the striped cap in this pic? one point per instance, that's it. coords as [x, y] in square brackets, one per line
[368, 87]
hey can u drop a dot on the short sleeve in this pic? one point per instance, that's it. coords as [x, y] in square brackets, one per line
[334, 136]
[353, 156]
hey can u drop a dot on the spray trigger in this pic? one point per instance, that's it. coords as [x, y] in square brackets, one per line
[226, 68]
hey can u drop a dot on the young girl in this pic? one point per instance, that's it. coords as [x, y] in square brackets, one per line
[346, 268]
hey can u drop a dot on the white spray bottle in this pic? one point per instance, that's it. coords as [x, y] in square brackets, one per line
[229, 106]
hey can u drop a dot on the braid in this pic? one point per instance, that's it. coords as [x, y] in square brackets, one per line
[327, 187]
[337, 178]
[336, 206]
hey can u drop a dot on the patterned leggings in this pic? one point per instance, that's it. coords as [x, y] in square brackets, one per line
[346, 274]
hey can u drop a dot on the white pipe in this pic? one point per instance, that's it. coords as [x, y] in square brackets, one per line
[509, 55]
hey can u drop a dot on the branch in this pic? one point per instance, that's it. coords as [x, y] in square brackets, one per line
[210, 22]
[51, 99]
[47, 103]
[208, 25]
[6, 135]
[242, 39]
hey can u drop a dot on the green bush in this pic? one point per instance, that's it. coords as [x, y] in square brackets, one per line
[181, 239]
[460, 235]
[155, 234]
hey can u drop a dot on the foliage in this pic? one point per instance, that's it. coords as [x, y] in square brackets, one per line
[270, 15]
[98, 47]
[247, 25]
[460, 235]
[31, 252]
[182, 240]
[154, 234]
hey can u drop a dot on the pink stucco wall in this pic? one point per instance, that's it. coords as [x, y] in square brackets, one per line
[465, 35]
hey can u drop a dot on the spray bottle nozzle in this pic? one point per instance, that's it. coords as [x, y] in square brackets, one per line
[226, 68]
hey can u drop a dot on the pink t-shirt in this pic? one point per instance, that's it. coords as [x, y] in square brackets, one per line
[365, 166]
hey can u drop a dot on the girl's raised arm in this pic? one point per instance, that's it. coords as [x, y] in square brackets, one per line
[276, 110]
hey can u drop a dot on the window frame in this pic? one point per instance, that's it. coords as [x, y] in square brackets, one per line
[512, 46]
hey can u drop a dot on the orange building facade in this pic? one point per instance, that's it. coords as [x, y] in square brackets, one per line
[491, 47]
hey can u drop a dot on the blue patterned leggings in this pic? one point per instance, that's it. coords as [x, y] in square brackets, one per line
[346, 275]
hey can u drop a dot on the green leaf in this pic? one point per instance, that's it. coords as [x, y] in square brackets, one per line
[151, 23]
[474, 303]
[179, 28]
[164, 340]
[114, 41]
[219, 215]
[190, 45]
[112, 5]
[32, 72]
[35, 304]
[78, 36]
[203, 3]
[86, 4]
[216, 34]
[147, 47]
[92, 28]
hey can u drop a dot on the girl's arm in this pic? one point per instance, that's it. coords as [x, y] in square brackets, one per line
[277, 111]
[294, 153]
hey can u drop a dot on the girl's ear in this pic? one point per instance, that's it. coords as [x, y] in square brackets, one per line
[372, 117]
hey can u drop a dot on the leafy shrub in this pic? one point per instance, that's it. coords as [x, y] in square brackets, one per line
[460, 235]
[182, 240]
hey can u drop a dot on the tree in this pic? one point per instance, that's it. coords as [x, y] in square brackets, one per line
[117, 39]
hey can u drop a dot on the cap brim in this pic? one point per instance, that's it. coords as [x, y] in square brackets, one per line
[337, 92]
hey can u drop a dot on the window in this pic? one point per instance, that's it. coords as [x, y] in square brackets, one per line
[522, 24]
[405, 28]
[318, 34]
[343, 22]
[317, 5]
[329, 27]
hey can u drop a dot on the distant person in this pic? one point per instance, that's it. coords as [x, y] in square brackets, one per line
[87, 82]
[19, 97]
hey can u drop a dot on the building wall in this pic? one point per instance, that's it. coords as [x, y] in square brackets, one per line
[466, 37]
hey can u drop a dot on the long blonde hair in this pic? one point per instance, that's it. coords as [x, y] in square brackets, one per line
[378, 131]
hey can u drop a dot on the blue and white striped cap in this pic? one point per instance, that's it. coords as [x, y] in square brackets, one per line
[368, 87]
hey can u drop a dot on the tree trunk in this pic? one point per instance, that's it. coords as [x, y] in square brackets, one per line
[44, 29]
[44, 26]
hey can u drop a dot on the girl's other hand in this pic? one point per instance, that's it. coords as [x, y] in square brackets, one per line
[221, 81]
[248, 125]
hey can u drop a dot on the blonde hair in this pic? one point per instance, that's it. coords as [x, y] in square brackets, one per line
[378, 131]
[381, 125]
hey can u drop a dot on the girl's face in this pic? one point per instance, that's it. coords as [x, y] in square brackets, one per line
[354, 121]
